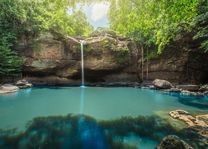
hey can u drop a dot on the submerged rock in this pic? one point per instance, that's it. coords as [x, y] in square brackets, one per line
[162, 84]
[23, 84]
[199, 123]
[197, 101]
[184, 116]
[8, 88]
[173, 142]
[80, 131]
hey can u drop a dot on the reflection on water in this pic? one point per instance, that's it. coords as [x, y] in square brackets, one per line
[27, 91]
[84, 132]
[200, 102]
[90, 134]
[82, 89]
[100, 103]
[119, 118]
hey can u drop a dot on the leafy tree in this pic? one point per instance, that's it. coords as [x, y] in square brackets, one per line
[10, 62]
[201, 23]
[152, 22]
[80, 24]
[52, 16]
[31, 18]
[10, 14]
[174, 19]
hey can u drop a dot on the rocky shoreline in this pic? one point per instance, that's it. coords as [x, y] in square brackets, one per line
[157, 84]
[186, 89]
[14, 87]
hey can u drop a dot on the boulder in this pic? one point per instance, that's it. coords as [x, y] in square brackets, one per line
[162, 84]
[192, 88]
[23, 84]
[8, 88]
[173, 142]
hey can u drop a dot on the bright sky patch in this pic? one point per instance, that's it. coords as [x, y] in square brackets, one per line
[99, 11]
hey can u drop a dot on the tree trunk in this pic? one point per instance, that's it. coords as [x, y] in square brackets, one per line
[142, 63]
[147, 71]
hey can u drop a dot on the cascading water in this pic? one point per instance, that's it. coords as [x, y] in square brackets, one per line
[82, 42]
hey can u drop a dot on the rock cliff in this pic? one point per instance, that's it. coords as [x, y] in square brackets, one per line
[178, 64]
[107, 58]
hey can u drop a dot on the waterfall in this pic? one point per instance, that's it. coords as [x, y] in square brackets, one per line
[82, 42]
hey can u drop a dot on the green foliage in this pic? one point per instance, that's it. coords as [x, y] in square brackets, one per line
[201, 23]
[30, 18]
[151, 55]
[80, 24]
[10, 14]
[121, 55]
[36, 16]
[152, 22]
[10, 63]
[174, 18]
[135, 19]
[55, 16]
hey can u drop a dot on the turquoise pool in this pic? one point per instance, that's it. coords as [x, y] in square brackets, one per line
[101, 104]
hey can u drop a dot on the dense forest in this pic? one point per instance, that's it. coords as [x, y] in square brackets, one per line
[152, 24]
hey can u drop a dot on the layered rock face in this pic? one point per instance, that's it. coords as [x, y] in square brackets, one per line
[178, 65]
[107, 58]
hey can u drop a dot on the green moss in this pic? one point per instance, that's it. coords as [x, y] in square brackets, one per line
[121, 55]
[151, 55]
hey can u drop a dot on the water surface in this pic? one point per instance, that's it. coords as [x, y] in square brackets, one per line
[106, 105]
[100, 103]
